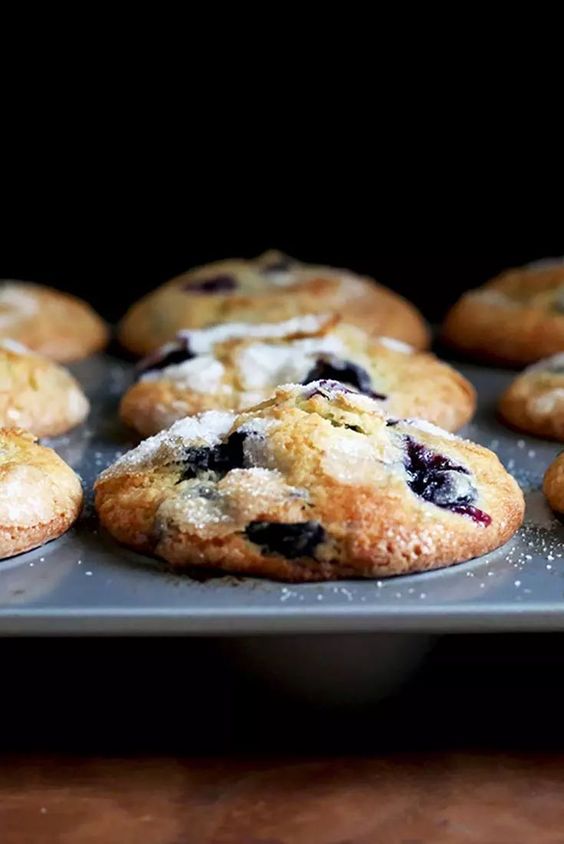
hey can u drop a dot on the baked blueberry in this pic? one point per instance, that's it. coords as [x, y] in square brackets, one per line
[219, 459]
[172, 353]
[288, 540]
[223, 283]
[441, 482]
[332, 368]
[326, 388]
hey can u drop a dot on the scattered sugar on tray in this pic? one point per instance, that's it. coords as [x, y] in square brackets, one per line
[169, 446]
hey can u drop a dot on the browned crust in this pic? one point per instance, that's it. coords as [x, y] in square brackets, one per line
[506, 335]
[517, 406]
[18, 540]
[517, 334]
[65, 328]
[156, 318]
[553, 486]
[40, 496]
[38, 395]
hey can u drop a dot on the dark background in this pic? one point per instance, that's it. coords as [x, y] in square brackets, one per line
[112, 270]
[111, 235]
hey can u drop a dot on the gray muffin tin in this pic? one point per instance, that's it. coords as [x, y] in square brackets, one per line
[83, 583]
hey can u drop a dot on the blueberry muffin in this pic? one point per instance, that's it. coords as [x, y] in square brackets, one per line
[236, 365]
[40, 496]
[52, 323]
[37, 394]
[516, 318]
[271, 288]
[315, 483]
[534, 401]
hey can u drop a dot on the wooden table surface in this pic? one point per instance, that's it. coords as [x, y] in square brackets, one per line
[440, 799]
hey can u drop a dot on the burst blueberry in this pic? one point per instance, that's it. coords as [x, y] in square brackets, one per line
[441, 482]
[216, 284]
[173, 353]
[289, 540]
[332, 368]
[220, 459]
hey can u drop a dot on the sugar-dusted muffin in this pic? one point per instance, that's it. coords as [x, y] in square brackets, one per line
[270, 288]
[52, 323]
[40, 496]
[534, 401]
[236, 365]
[516, 318]
[315, 483]
[38, 394]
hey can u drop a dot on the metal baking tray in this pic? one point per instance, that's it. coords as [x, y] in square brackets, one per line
[83, 583]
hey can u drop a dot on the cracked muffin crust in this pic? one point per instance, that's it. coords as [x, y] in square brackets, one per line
[37, 394]
[49, 322]
[314, 484]
[516, 318]
[236, 365]
[270, 288]
[40, 495]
